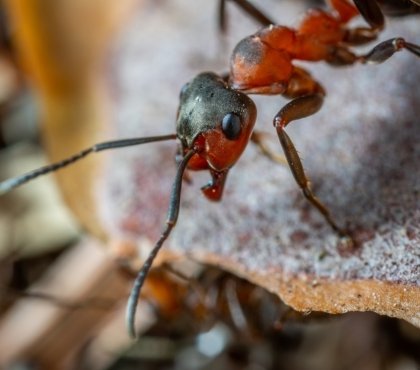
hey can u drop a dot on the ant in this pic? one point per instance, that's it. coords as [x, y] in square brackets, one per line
[216, 116]
[213, 295]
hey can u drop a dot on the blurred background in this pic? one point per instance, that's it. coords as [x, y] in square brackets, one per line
[75, 72]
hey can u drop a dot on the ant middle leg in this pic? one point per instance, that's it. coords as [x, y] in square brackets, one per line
[300, 107]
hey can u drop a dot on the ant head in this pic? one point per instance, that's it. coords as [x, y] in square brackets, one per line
[215, 117]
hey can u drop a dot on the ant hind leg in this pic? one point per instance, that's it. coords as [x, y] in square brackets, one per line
[386, 49]
[371, 12]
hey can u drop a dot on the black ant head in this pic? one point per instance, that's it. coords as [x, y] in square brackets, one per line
[216, 118]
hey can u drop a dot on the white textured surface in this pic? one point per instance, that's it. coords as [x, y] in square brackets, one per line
[361, 152]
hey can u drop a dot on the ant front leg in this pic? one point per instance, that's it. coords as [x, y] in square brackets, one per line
[258, 138]
[300, 107]
[296, 109]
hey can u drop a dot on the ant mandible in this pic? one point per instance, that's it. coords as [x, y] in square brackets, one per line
[216, 117]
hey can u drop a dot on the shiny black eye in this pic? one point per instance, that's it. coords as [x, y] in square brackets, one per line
[231, 126]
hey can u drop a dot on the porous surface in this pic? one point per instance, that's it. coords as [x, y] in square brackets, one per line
[361, 152]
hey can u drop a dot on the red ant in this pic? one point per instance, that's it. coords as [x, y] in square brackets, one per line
[216, 117]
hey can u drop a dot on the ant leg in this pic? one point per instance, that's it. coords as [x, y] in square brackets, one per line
[299, 108]
[257, 137]
[372, 13]
[401, 8]
[8, 185]
[249, 8]
[386, 49]
[341, 55]
[234, 306]
[173, 211]
[222, 22]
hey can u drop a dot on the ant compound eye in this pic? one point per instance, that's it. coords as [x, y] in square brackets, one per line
[231, 126]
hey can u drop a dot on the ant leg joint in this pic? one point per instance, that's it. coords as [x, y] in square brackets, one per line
[341, 56]
[298, 108]
[279, 122]
[387, 49]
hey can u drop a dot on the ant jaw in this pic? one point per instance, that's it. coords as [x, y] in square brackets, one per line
[212, 192]
[214, 189]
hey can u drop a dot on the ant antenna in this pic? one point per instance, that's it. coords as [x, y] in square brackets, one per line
[7, 185]
[172, 216]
